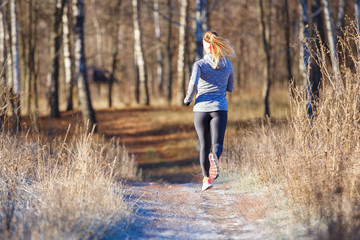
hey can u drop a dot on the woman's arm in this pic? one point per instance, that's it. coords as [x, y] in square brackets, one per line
[230, 85]
[194, 79]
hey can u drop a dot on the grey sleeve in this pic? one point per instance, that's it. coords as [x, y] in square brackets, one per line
[230, 85]
[194, 79]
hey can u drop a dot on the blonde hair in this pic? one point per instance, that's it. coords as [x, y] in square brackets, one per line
[220, 47]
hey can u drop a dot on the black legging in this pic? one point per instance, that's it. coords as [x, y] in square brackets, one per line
[210, 128]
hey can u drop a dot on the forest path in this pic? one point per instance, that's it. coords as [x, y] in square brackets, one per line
[169, 201]
[183, 211]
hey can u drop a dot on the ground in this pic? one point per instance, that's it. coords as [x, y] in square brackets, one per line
[169, 200]
[183, 211]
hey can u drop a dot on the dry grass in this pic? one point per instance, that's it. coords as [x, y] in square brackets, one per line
[62, 189]
[313, 163]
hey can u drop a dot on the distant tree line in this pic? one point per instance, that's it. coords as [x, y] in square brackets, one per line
[143, 50]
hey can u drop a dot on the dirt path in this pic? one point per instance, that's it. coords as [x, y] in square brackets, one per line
[183, 211]
[170, 202]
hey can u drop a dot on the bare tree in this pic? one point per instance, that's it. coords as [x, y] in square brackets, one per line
[68, 57]
[181, 55]
[265, 23]
[331, 40]
[2, 68]
[142, 93]
[99, 37]
[202, 24]
[56, 35]
[357, 11]
[312, 15]
[340, 16]
[33, 17]
[87, 110]
[159, 58]
[304, 54]
[15, 65]
[115, 48]
[169, 53]
[287, 40]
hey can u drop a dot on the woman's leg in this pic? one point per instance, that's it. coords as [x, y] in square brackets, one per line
[217, 127]
[202, 127]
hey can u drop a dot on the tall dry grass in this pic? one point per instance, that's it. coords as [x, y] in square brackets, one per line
[314, 162]
[63, 189]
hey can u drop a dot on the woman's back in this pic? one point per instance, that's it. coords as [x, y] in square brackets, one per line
[211, 82]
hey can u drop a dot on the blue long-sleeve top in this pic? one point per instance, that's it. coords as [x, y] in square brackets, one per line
[211, 83]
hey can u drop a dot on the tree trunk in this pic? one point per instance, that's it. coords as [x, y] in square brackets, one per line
[87, 110]
[98, 32]
[159, 58]
[181, 55]
[340, 16]
[33, 109]
[265, 23]
[205, 16]
[313, 72]
[304, 35]
[332, 42]
[2, 68]
[357, 12]
[287, 39]
[68, 58]
[357, 16]
[169, 54]
[115, 51]
[139, 56]
[15, 66]
[56, 35]
[199, 29]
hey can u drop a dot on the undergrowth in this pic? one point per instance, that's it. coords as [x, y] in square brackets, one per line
[313, 162]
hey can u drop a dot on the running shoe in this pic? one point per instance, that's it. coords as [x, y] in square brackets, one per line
[206, 184]
[214, 166]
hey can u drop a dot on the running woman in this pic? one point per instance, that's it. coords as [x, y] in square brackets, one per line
[211, 77]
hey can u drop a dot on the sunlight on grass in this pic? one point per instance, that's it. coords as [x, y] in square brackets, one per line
[310, 166]
[63, 190]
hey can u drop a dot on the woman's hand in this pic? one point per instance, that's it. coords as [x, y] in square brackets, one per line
[186, 102]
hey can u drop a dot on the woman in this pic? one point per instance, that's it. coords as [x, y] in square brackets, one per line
[212, 76]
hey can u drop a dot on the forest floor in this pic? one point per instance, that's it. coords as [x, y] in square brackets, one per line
[169, 200]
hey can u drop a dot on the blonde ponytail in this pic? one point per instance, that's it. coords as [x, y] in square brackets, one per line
[220, 47]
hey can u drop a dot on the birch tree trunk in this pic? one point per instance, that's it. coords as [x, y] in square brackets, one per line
[181, 54]
[304, 36]
[159, 58]
[115, 51]
[139, 56]
[169, 54]
[87, 110]
[9, 73]
[332, 42]
[265, 23]
[33, 17]
[15, 66]
[56, 35]
[68, 58]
